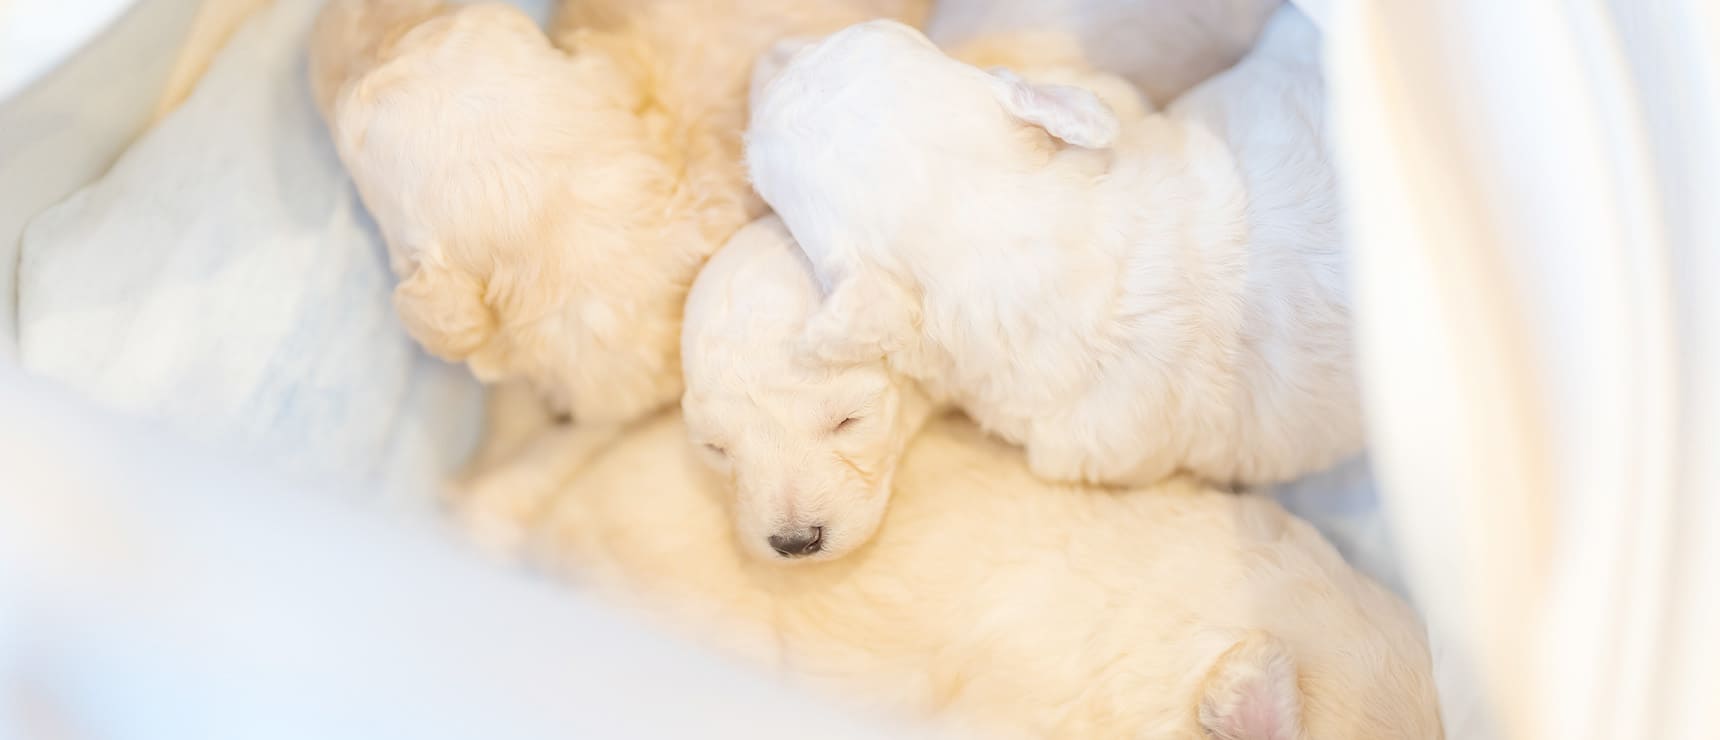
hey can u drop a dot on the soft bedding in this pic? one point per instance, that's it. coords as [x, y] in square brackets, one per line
[222, 277]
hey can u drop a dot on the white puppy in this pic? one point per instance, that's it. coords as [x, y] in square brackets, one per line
[809, 450]
[1012, 607]
[1123, 298]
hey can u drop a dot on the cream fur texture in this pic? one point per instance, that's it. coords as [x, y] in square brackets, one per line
[1126, 298]
[802, 446]
[809, 448]
[545, 206]
[1001, 605]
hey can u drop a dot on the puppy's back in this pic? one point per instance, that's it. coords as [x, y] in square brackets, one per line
[992, 596]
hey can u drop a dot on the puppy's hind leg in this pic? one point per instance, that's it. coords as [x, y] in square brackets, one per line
[1100, 448]
[513, 416]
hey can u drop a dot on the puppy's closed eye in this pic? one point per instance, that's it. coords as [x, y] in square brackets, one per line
[846, 424]
[716, 449]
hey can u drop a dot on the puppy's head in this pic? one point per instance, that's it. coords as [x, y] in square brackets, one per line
[874, 125]
[809, 451]
[537, 223]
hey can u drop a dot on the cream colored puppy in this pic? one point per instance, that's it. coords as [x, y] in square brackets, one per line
[1007, 606]
[1125, 298]
[809, 451]
[546, 208]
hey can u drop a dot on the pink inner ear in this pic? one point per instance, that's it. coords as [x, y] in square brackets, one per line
[1258, 714]
[1252, 694]
[1068, 113]
[1060, 95]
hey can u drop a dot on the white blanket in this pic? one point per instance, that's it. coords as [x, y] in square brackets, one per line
[223, 277]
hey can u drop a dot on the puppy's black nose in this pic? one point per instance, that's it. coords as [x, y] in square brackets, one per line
[798, 543]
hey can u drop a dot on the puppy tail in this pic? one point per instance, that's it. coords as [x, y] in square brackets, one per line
[351, 37]
[1251, 693]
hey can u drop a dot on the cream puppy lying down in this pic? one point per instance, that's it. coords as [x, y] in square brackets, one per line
[545, 208]
[1125, 298]
[809, 451]
[1006, 606]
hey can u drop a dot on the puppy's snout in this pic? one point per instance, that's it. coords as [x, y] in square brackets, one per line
[797, 543]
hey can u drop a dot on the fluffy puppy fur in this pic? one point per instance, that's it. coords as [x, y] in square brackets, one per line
[1123, 298]
[802, 446]
[806, 446]
[546, 208]
[1007, 606]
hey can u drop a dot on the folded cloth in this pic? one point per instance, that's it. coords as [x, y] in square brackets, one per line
[223, 278]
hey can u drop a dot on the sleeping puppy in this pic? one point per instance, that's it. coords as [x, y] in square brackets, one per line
[546, 208]
[1125, 297]
[809, 451]
[1000, 605]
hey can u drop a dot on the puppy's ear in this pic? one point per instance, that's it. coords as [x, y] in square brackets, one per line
[1071, 114]
[864, 317]
[444, 310]
[1251, 693]
[772, 61]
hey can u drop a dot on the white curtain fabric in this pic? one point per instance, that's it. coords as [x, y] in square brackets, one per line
[1538, 274]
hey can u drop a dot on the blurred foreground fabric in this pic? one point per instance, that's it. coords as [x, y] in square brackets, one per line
[1531, 188]
[148, 592]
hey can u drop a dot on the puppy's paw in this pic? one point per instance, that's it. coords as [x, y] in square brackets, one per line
[499, 507]
[1058, 463]
[498, 511]
[1061, 458]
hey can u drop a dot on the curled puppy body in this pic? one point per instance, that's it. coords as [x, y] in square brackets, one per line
[546, 208]
[1006, 606]
[1124, 298]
